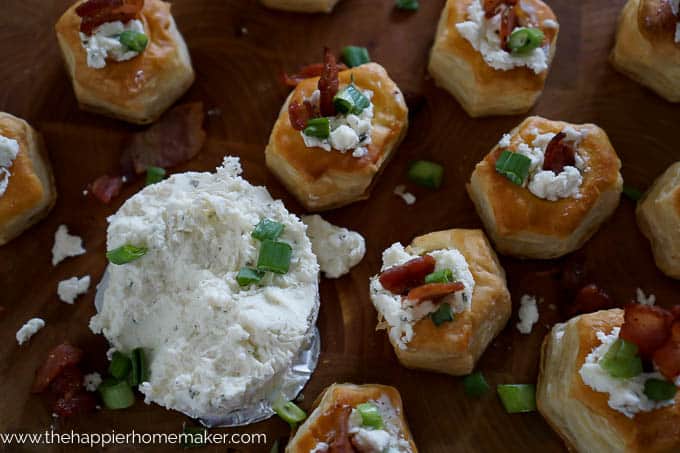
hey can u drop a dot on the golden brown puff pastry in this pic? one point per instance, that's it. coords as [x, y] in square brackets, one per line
[329, 419]
[482, 90]
[322, 180]
[31, 192]
[137, 90]
[454, 347]
[525, 226]
[645, 48]
[582, 416]
[302, 6]
[658, 215]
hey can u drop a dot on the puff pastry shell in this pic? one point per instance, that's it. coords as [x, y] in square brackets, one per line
[523, 225]
[582, 416]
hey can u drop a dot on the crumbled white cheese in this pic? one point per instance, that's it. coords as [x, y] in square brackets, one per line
[321, 447]
[69, 290]
[483, 35]
[528, 314]
[625, 395]
[91, 381]
[644, 299]
[399, 313]
[9, 149]
[29, 329]
[549, 23]
[543, 183]
[348, 132]
[337, 249]
[104, 43]
[65, 245]
[408, 197]
[213, 346]
[389, 439]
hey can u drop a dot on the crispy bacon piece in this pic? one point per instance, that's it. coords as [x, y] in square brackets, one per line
[58, 359]
[559, 154]
[509, 22]
[647, 326]
[81, 402]
[176, 138]
[68, 382]
[105, 188]
[299, 115]
[328, 83]
[341, 440]
[434, 291]
[96, 12]
[492, 7]
[307, 72]
[656, 19]
[399, 279]
[667, 357]
[589, 299]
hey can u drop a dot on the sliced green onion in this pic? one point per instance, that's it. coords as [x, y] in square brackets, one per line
[513, 166]
[318, 127]
[442, 315]
[355, 56]
[409, 5]
[134, 40]
[154, 175]
[268, 229]
[120, 365]
[140, 368]
[517, 397]
[116, 394]
[659, 389]
[126, 254]
[427, 174]
[248, 276]
[370, 415]
[632, 193]
[350, 100]
[621, 360]
[193, 436]
[475, 385]
[290, 412]
[275, 447]
[274, 257]
[524, 40]
[442, 276]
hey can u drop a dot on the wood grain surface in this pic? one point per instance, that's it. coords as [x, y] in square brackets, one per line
[239, 49]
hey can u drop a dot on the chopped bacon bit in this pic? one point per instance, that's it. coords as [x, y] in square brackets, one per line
[559, 154]
[434, 291]
[58, 359]
[647, 326]
[493, 7]
[509, 22]
[399, 279]
[589, 299]
[69, 381]
[667, 358]
[328, 83]
[657, 17]
[106, 188]
[307, 72]
[176, 138]
[299, 115]
[78, 403]
[97, 12]
[341, 440]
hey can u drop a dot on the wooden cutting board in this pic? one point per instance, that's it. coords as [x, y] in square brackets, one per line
[239, 50]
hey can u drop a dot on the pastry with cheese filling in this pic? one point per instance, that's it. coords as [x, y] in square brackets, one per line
[301, 6]
[647, 45]
[494, 56]
[658, 215]
[442, 300]
[546, 187]
[608, 381]
[336, 133]
[355, 418]
[126, 58]
[27, 189]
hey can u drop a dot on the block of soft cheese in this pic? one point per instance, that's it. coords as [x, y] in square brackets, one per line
[214, 347]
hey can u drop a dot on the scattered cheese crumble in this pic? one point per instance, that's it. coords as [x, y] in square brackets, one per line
[408, 197]
[91, 381]
[65, 245]
[29, 329]
[528, 314]
[644, 299]
[69, 290]
[337, 249]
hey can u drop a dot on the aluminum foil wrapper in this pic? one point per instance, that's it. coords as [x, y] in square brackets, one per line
[284, 386]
